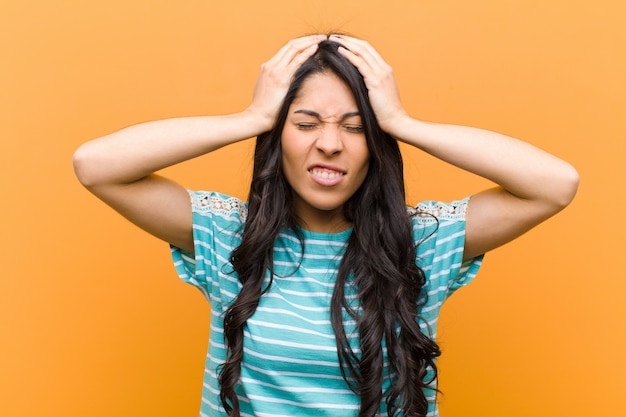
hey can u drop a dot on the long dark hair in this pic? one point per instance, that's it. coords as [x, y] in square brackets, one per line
[379, 260]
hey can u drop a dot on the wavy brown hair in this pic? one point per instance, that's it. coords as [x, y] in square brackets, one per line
[380, 260]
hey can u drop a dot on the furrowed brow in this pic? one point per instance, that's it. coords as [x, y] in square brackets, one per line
[309, 113]
[319, 116]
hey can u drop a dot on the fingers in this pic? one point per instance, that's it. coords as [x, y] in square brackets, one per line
[296, 51]
[378, 76]
[277, 72]
[360, 52]
[375, 71]
[275, 76]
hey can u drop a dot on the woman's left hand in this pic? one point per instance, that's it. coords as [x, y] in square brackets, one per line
[379, 79]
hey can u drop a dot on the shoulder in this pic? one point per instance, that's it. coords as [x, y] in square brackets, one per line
[439, 230]
[437, 222]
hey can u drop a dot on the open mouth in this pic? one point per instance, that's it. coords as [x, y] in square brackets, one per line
[325, 173]
[326, 176]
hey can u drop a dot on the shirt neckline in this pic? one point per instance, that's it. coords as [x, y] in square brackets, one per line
[336, 237]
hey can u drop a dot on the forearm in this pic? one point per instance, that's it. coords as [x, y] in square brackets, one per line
[137, 151]
[520, 168]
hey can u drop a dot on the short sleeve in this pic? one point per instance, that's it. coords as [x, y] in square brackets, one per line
[439, 231]
[217, 221]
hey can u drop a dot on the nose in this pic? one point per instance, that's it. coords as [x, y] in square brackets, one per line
[329, 140]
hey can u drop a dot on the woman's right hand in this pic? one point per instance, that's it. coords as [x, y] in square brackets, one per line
[276, 75]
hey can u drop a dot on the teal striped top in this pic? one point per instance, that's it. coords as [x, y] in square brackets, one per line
[290, 366]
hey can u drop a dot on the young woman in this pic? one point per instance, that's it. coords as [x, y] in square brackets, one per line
[325, 288]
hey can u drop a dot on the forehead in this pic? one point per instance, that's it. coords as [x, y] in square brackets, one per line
[324, 93]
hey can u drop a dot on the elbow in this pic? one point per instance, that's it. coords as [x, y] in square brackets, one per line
[85, 163]
[568, 181]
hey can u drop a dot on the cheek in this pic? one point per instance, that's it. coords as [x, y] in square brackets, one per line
[296, 146]
[364, 156]
[289, 144]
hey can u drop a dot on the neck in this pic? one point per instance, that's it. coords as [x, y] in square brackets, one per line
[323, 221]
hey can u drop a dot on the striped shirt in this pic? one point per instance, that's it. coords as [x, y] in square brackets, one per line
[290, 365]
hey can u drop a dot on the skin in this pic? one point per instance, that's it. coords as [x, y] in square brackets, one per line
[325, 154]
[532, 185]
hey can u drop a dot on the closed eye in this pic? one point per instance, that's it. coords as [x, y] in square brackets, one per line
[306, 126]
[354, 128]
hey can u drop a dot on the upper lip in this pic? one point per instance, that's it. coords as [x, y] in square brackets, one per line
[326, 166]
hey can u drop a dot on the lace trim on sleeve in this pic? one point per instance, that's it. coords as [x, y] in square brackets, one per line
[437, 210]
[218, 204]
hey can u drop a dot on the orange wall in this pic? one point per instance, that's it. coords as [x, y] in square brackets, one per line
[94, 321]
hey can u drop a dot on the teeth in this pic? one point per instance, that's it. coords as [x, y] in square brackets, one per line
[326, 174]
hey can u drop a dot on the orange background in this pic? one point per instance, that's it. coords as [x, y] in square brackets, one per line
[94, 321]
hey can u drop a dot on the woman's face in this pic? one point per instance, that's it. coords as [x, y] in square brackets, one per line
[324, 151]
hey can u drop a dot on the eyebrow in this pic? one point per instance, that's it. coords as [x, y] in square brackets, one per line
[319, 116]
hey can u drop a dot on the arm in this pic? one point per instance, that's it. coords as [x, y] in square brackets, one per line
[532, 184]
[119, 168]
